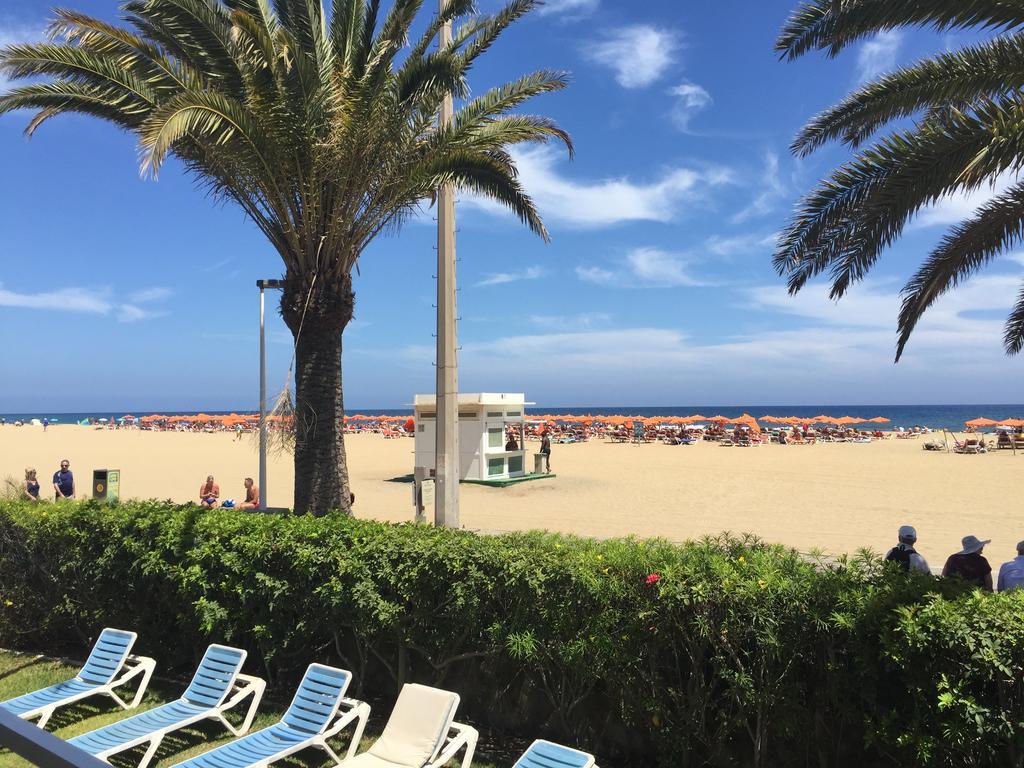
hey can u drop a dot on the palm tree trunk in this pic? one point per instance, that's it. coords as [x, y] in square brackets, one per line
[317, 314]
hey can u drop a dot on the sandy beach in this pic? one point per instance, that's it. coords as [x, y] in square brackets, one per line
[837, 497]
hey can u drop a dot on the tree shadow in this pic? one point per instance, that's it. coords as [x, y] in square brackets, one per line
[25, 665]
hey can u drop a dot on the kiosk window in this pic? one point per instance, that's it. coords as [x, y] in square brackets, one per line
[495, 438]
[495, 467]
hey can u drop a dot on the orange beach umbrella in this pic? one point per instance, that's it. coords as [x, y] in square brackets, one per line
[981, 422]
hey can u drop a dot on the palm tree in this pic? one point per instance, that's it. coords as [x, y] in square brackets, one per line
[322, 128]
[965, 109]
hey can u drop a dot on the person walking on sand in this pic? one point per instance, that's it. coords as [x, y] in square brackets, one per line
[1011, 574]
[238, 432]
[545, 449]
[969, 564]
[30, 488]
[46, 423]
[252, 495]
[904, 552]
[64, 481]
[209, 493]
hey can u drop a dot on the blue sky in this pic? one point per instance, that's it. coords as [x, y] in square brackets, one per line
[657, 288]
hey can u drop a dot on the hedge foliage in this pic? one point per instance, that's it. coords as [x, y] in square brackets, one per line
[726, 651]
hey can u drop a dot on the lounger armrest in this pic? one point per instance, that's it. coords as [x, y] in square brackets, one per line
[351, 710]
[245, 685]
[133, 667]
[459, 736]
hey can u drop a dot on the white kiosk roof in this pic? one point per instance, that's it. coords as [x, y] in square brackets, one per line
[483, 399]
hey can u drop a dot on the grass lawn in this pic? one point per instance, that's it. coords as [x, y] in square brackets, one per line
[23, 673]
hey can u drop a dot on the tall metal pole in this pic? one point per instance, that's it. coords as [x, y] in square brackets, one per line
[446, 449]
[263, 408]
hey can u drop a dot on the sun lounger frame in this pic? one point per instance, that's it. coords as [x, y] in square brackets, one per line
[242, 687]
[532, 759]
[131, 667]
[347, 712]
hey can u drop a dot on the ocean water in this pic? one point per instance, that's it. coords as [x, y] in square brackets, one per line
[935, 416]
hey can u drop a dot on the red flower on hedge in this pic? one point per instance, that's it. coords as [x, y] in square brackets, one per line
[653, 579]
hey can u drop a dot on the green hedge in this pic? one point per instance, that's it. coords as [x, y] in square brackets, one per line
[726, 651]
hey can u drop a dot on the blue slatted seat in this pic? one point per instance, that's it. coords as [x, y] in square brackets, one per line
[207, 696]
[109, 666]
[318, 712]
[547, 754]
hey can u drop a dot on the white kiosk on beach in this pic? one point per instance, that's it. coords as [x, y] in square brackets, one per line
[485, 419]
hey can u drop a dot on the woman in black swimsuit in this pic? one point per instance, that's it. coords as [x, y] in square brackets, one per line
[31, 487]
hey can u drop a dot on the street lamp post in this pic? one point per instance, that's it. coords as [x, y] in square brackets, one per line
[262, 284]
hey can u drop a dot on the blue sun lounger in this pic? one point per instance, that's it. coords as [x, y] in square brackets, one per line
[110, 665]
[318, 712]
[547, 754]
[216, 687]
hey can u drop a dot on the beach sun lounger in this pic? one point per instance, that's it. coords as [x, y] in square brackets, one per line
[547, 754]
[421, 733]
[216, 688]
[318, 712]
[110, 665]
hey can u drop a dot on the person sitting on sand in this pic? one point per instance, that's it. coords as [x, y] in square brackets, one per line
[969, 564]
[904, 553]
[252, 495]
[209, 493]
[1011, 575]
[30, 488]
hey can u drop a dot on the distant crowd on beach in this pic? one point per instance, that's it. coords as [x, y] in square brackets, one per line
[968, 563]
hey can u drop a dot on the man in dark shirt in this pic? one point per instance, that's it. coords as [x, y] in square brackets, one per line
[969, 564]
[64, 481]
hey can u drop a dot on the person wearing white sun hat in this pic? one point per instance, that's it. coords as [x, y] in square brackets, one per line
[969, 564]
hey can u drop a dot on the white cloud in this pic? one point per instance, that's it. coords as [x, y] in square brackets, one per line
[595, 275]
[657, 268]
[740, 244]
[90, 301]
[772, 191]
[878, 55]
[500, 278]
[64, 299]
[604, 202]
[690, 99]
[639, 54]
[832, 352]
[150, 294]
[580, 322]
[569, 8]
[644, 268]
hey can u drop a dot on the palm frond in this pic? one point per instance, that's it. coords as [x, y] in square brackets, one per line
[831, 25]
[863, 206]
[960, 77]
[455, 9]
[1013, 333]
[490, 29]
[995, 227]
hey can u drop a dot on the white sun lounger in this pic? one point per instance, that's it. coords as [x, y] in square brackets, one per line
[110, 665]
[421, 733]
[318, 712]
[547, 754]
[216, 687]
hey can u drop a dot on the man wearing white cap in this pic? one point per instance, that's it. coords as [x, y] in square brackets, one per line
[904, 552]
[1011, 574]
[969, 564]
